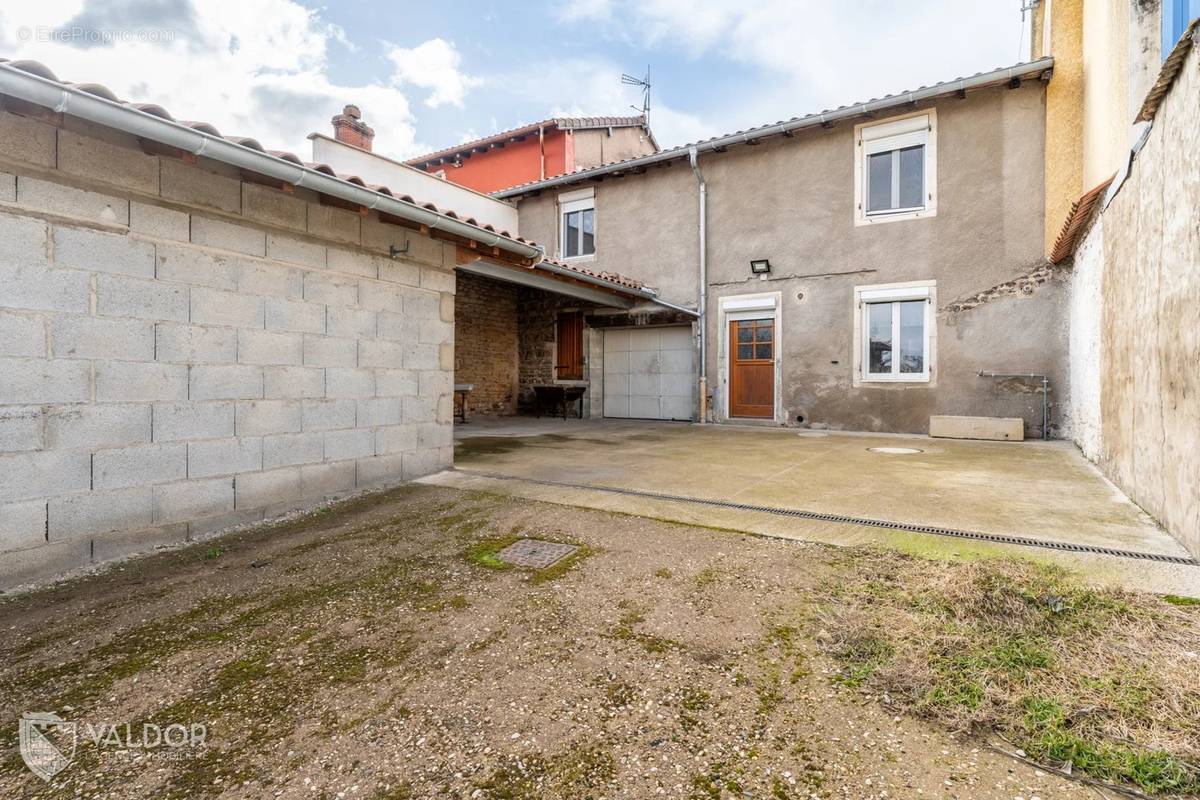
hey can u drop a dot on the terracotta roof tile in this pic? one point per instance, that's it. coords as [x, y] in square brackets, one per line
[1077, 219]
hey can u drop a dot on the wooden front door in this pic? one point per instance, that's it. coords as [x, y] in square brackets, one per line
[752, 372]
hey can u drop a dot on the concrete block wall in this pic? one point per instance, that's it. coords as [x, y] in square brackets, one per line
[182, 350]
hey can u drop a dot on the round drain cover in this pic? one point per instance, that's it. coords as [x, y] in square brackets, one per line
[895, 451]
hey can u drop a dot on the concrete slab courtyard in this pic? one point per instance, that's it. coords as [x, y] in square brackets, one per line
[1033, 499]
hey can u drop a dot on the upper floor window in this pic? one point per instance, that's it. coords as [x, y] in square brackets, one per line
[578, 224]
[1176, 16]
[896, 168]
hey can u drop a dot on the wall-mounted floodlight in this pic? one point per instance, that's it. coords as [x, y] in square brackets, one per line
[760, 266]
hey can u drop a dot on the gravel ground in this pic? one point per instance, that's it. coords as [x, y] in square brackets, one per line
[373, 651]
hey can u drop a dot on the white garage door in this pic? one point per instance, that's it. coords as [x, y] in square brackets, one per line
[648, 373]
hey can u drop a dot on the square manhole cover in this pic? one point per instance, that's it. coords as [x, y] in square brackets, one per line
[535, 553]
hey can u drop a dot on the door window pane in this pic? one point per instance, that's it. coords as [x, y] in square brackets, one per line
[763, 332]
[879, 181]
[763, 351]
[745, 333]
[912, 336]
[589, 232]
[745, 352]
[879, 324]
[912, 177]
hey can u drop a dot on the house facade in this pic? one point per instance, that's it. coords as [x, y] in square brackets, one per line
[860, 267]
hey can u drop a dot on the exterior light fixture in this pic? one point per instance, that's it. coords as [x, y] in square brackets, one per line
[760, 266]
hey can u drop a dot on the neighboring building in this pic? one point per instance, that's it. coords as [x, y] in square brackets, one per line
[862, 265]
[540, 150]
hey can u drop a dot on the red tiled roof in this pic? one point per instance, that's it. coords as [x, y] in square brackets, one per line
[566, 123]
[1077, 219]
[98, 90]
[611, 277]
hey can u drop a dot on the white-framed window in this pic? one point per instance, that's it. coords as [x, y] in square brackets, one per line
[895, 327]
[895, 168]
[577, 224]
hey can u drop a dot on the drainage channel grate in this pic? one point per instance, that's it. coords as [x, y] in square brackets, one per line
[995, 538]
[535, 553]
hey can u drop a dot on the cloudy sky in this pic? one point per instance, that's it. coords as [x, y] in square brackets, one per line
[430, 74]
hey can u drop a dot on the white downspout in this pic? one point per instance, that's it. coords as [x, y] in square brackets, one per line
[703, 303]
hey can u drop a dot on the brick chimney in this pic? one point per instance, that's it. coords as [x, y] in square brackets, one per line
[349, 128]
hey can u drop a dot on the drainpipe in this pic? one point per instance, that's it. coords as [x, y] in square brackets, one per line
[703, 304]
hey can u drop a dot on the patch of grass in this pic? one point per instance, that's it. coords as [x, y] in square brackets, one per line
[624, 630]
[576, 772]
[713, 782]
[212, 553]
[1180, 600]
[663, 573]
[564, 565]
[618, 694]
[483, 553]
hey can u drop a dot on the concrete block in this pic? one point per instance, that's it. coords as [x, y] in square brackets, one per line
[445, 409]
[226, 382]
[97, 337]
[22, 335]
[195, 344]
[320, 288]
[36, 288]
[349, 383]
[271, 279]
[86, 427]
[419, 463]
[378, 411]
[395, 439]
[58, 198]
[384, 354]
[353, 262]
[326, 351]
[324, 415]
[270, 347]
[447, 308]
[422, 356]
[122, 544]
[293, 448]
[107, 162]
[27, 140]
[446, 356]
[177, 422]
[211, 307]
[222, 235]
[296, 251]
[434, 383]
[399, 272]
[398, 327]
[127, 381]
[992, 428]
[138, 466]
[289, 315]
[22, 525]
[224, 457]
[396, 383]
[435, 434]
[434, 331]
[318, 480]
[97, 251]
[34, 380]
[159, 222]
[293, 382]
[201, 529]
[20, 428]
[8, 187]
[335, 224]
[24, 243]
[177, 502]
[380, 296]
[99, 512]
[265, 417]
[380, 470]
[48, 561]
[381, 236]
[273, 207]
[438, 280]
[422, 305]
[352, 323]
[420, 409]
[119, 296]
[196, 185]
[346, 444]
[195, 266]
[273, 488]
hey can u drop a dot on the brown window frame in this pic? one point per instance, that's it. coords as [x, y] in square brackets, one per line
[568, 338]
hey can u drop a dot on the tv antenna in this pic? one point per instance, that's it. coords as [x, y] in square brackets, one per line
[644, 83]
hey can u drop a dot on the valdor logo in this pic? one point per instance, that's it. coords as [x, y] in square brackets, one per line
[47, 743]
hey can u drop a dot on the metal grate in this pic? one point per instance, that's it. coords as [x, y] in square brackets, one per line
[995, 538]
[535, 553]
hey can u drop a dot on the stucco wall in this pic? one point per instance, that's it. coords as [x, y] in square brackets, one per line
[1143, 252]
[182, 350]
[792, 201]
[594, 147]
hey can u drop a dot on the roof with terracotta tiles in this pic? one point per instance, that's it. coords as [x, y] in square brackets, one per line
[565, 123]
[1076, 222]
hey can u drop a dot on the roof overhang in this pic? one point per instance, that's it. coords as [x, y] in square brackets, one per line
[540, 279]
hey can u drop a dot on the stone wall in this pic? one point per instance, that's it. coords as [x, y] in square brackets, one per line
[182, 350]
[537, 316]
[1135, 322]
[485, 343]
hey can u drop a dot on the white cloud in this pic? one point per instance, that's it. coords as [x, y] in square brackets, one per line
[433, 65]
[255, 69]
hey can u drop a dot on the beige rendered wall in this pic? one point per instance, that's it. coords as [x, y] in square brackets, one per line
[598, 146]
[792, 201]
[1143, 252]
[1064, 112]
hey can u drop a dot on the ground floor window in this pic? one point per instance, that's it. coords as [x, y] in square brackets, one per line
[895, 332]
